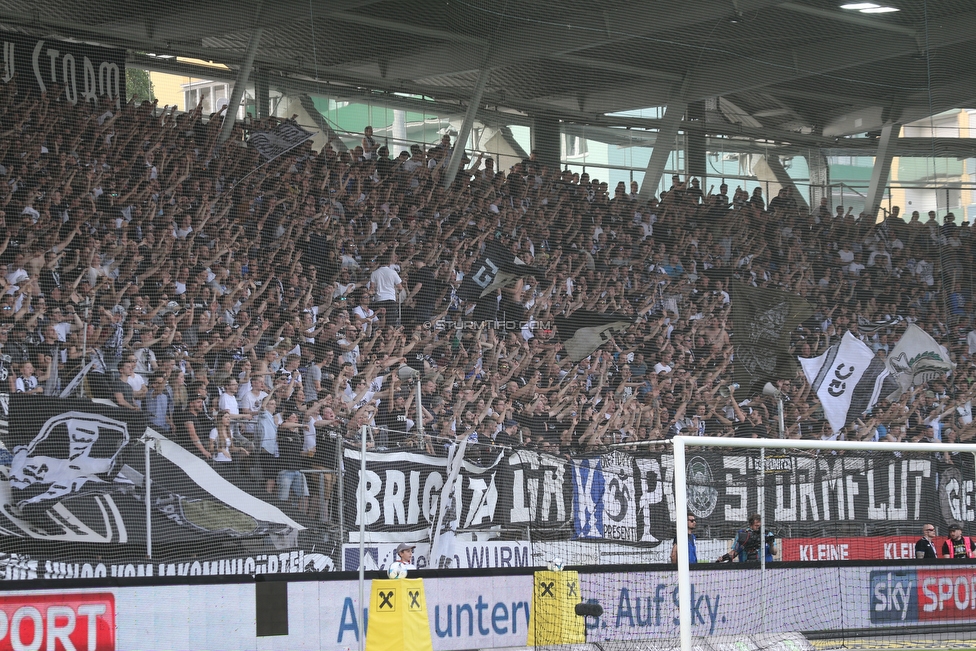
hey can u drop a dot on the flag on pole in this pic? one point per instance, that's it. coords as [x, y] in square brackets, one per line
[275, 142]
[847, 379]
[764, 320]
[583, 331]
[496, 268]
[871, 327]
[917, 358]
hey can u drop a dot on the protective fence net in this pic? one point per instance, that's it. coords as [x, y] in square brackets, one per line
[831, 548]
[512, 249]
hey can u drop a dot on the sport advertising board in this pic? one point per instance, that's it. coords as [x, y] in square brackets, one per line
[493, 611]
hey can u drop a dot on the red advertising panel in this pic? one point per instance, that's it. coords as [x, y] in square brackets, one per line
[850, 549]
[947, 594]
[60, 622]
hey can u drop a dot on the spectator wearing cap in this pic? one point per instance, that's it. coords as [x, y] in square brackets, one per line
[958, 545]
[404, 554]
[509, 435]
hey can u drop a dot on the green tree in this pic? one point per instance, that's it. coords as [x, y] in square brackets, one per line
[138, 84]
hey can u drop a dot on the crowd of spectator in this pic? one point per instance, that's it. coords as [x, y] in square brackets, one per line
[257, 310]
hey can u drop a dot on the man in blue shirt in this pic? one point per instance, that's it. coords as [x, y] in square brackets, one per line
[692, 549]
[747, 543]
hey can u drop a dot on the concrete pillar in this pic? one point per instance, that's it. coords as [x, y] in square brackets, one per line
[819, 179]
[663, 146]
[262, 93]
[239, 84]
[547, 141]
[462, 140]
[882, 167]
[696, 164]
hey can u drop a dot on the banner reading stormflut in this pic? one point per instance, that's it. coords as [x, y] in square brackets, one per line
[764, 319]
[917, 358]
[847, 379]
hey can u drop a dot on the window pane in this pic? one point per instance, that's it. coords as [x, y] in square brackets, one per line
[205, 101]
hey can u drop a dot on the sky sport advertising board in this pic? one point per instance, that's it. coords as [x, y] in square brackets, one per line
[490, 611]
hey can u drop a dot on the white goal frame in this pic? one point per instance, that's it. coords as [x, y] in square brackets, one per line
[681, 493]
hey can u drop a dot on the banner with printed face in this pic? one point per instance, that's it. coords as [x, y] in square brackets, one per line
[765, 319]
[78, 72]
[76, 483]
[74, 490]
[917, 358]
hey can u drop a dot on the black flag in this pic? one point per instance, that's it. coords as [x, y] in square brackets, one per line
[583, 331]
[764, 320]
[496, 268]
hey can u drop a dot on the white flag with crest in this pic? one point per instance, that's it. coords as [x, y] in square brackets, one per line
[847, 379]
[917, 358]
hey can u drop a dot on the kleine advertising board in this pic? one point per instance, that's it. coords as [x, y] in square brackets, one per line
[873, 548]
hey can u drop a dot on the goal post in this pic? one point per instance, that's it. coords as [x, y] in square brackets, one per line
[681, 445]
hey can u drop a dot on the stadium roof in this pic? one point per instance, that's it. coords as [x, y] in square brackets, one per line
[800, 72]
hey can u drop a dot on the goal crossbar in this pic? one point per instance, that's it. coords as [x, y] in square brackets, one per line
[681, 493]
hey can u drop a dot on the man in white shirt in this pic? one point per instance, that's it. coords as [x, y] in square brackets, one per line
[664, 365]
[386, 284]
[145, 357]
[228, 400]
[250, 403]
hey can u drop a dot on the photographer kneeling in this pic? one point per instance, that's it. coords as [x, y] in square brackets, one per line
[747, 541]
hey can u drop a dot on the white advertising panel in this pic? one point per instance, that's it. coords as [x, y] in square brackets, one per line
[494, 611]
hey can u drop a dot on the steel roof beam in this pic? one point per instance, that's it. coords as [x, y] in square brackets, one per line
[823, 58]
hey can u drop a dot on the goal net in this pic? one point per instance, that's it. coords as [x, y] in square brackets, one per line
[810, 545]
[823, 564]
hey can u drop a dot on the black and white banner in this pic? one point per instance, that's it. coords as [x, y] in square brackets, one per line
[629, 498]
[79, 71]
[403, 492]
[77, 478]
[496, 268]
[277, 141]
